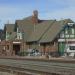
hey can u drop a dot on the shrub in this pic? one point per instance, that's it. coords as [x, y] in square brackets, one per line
[23, 53]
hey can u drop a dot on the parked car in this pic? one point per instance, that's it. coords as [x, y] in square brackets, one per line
[70, 50]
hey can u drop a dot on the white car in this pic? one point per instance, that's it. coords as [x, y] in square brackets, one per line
[70, 50]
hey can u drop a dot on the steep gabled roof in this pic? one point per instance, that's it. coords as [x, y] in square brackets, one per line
[25, 26]
[52, 32]
[39, 30]
[68, 21]
[55, 29]
[47, 31]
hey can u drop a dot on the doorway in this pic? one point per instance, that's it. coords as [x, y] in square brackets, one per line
[16, 48]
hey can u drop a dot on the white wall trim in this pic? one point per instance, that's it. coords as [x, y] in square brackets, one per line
[16, 42]
[63, 40]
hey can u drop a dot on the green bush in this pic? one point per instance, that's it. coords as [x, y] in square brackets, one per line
[23, 53]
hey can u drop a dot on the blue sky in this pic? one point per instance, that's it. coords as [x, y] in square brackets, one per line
[48, 9]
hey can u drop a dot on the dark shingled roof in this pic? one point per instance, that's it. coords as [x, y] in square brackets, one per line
[9, 27]
[47, 30]
[52, 32]
[55, 29]
[68, 21]
[13, 36]
[40, 29]
[25, 26]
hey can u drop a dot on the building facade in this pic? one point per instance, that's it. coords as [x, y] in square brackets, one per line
[67, 39]
[48, 36]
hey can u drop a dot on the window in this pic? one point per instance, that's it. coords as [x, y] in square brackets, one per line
[66, 31]
[72, 47]
[66, 36]
[19, 37]
[62, 34]
[17, 29]
[67, 28]
[72, 30]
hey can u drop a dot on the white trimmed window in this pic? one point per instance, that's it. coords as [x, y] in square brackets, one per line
[66, 31]
[72, 30]
[62, 34]
[19, 35]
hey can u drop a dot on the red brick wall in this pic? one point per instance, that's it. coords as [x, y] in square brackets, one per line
[35, 17]
[49, 47]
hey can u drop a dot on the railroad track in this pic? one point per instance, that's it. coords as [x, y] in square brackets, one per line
[61, 60]
[38, 67]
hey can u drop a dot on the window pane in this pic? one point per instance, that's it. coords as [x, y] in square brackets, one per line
[72, 47]
[72, 31]
[66, 31]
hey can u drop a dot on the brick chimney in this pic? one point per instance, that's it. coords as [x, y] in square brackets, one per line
[35, 17]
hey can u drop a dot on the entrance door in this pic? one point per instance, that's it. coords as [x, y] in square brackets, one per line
[16, 48]
[61, 48]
